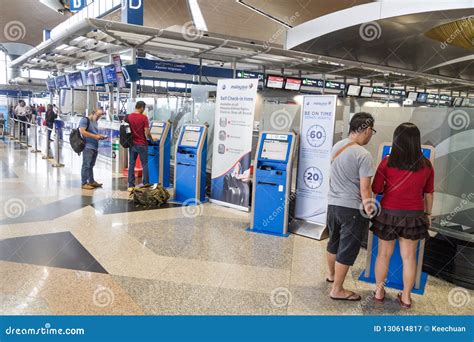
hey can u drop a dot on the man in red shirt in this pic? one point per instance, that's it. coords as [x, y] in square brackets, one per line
[140, 128]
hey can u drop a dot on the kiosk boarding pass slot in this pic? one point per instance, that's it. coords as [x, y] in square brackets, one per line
[395, 272]
[272, 183]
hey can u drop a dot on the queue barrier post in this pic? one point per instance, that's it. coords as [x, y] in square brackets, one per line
[57, 163]
[48, 144]
[35, 150]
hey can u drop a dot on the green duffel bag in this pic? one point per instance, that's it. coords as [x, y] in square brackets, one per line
[150, 195]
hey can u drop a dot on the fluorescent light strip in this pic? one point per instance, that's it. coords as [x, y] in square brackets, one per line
[264, 14]
[196, 13]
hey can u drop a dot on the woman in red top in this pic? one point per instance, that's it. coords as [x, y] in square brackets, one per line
[405, 178]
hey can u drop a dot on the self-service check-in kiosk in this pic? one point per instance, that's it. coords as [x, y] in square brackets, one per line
[395, 270]
[190, 164]
[159, 153]
[272, 183]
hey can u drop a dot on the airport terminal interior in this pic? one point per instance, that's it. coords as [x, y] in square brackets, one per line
[229, 87]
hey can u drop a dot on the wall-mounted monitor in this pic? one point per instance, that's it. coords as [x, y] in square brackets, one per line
[293, 83]
[412, 95]
[61, 82]
[457, 101]
[275, 82]
[353, 90]
[75, 79]
[367, 92]
[422, 97]
[110, 75]
[274, 150]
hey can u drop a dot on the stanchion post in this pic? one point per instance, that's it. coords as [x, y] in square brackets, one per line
[57, 164]
[27, 129]
[47, 156]
[35, 150]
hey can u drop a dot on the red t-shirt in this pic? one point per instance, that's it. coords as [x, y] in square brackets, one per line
[402, 189]
[138, 122]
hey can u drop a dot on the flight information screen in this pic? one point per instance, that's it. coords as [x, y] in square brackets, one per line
[274, 149]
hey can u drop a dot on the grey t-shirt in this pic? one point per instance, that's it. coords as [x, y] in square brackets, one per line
[344, 185]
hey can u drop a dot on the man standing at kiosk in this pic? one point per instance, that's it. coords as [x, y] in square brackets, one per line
[349, 190]
[140, 128]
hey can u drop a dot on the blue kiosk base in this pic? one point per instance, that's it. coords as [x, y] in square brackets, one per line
[266, 232]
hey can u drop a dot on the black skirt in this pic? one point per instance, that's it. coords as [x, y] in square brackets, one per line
[408, 224]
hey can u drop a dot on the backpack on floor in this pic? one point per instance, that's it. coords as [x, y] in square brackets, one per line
[76, 140]
[150, 195]
[126, 139]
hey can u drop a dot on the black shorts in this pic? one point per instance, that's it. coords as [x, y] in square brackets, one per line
[346, 229]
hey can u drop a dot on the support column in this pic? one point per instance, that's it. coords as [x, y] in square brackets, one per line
[133, 86]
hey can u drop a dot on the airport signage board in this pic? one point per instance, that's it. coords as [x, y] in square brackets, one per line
[250, 74]
[132, 12]
[335, 85]
[314, 164]
[235, 109]
[76, 5]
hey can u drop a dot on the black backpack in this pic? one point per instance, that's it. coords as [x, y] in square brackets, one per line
[75, 139]
[126, 139]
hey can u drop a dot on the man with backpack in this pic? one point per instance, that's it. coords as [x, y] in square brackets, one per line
[89, 129]
[140, 129]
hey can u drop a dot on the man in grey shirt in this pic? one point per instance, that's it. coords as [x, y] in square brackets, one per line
[349, 202]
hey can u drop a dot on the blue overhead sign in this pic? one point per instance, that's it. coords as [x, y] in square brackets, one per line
[76, 5]
[183, 68]
[132, 12]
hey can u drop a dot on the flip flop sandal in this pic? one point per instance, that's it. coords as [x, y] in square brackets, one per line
[402, 303]
[349, 298]
[379, 300]
[329, 280]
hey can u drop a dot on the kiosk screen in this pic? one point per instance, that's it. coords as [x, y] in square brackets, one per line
[190, 138]
[156, 132]
[274, 149]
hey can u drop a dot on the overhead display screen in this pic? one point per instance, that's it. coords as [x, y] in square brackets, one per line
[422, 97]
[190, 138]
[61, 82]
[97, 75]
[313, 83]
[293, 84]
[75, 79]
[412, 95]
[397, 92]
[353, 90]
[335, 85]
[275, 82]
[89, 77]
[380, 90]
[50, 83]
[457, 101]
[274, 150]
[367, 92]
[110, 75]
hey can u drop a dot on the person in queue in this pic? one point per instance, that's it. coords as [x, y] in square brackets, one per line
[406, 180]
[49, 120]
[22, 112]
[349, 194]
[140, 128]
[89, 128]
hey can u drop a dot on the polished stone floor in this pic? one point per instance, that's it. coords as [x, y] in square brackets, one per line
[68, 251]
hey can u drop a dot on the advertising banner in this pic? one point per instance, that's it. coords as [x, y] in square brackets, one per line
[235, 109]
[316, 140]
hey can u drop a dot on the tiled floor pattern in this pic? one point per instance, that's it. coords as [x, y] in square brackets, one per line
[164, 261]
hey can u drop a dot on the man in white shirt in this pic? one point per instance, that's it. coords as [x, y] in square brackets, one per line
[22, 112]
